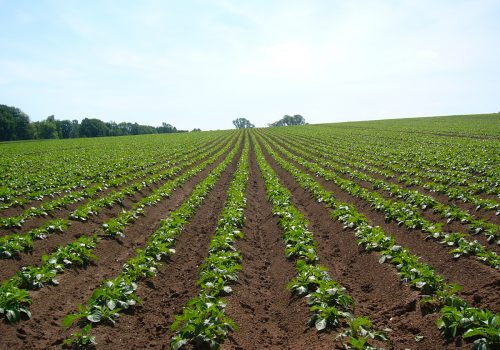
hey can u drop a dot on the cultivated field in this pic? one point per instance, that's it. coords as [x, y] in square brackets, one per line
[359, 235]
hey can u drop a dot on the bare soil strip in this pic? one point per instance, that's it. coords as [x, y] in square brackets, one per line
[8, 267]
[44, 329]
[481, 214]
[481, 283]
[17, 210]
[427, 214]
[163, 296]
[375, 287]
[442, 198]
[64, 212]
[268, 315]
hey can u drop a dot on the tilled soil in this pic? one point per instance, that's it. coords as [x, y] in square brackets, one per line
[481, 282]
[268, 315]
[17, 210]
[375, 287]
[44, 329]
[91, 226]
[64, 212]
[163, 296]
[488, 215]
[426, 214]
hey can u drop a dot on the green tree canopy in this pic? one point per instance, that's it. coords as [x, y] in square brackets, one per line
[93, 128]
[46, 129]
[242, 123]
[14, 124]
[287, 120]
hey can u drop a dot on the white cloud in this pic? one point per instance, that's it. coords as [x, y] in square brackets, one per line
[221, 59]
[428, 54]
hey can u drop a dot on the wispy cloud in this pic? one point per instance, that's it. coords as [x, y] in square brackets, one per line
[203, 63]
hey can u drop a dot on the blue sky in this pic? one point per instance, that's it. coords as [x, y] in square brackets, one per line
[204, 63]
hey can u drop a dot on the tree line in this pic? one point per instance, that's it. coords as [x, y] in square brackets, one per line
[287, 120]
[16, 125]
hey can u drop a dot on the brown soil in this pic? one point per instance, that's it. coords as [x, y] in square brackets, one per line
[17, 210]
[148, 325]
[64, 212]
[44, 329]
[481, 283]
[268, 315]
[375, 287]
[77, 228]
[488, 215]
[428, 214]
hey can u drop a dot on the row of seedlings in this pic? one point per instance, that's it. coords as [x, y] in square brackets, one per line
[203, 321]
[115, 226]
[69, 178]
[401, 213]
[457, 317]
[14, 244]
[93, 208]
[47, 207]
[449, 162]
[14, 296]
[118, 294]
[416, 177]
[417, 200]
[330, 305]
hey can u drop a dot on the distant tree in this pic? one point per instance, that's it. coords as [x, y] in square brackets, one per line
[46, 129]
[195, 130]
[93, 128]
[14, 124]
[242, 123]
[113, 129]
[166, 128]
[64, 128]
[75, 129]
[7, 125]
[146, 129]
[134, 129]
[287, 120]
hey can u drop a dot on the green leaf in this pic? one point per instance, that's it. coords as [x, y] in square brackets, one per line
[473, 332]
[420, 284]
[177, 344]
[12, 315]
[320, 324]
[95, 317]
[111, 304]
[70, 319]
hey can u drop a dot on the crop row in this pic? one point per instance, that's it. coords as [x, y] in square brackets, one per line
[14, 297]
[203, 321]
[366, 160]
[454, 161]
[118, 294]
[457, 316]
[88, 192]
[330, 305]
[321, 155]
[400, 212]
[11, 245]
[64, 169]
